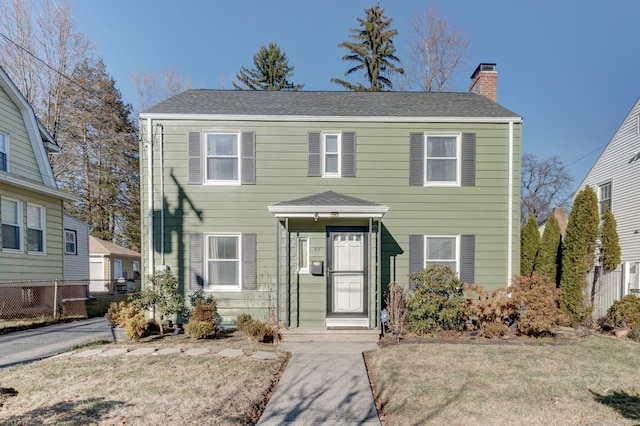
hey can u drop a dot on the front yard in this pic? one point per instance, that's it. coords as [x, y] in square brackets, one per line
[463, 382]
[594, 381]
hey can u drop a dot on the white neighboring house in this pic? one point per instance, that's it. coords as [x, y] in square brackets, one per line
[76, 249]
[616, 178]
[112, 267]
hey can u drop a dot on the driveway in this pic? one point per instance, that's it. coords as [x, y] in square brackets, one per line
[32, 345]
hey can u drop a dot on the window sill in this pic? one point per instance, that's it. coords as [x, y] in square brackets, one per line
[222, 183]
[223, 289]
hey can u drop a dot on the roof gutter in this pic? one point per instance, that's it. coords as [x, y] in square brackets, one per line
[317, 118]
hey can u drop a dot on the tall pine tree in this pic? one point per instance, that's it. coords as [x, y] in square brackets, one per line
[529, 245]
[547, 262]
[271, 72]
[578, 254]
[372, 51]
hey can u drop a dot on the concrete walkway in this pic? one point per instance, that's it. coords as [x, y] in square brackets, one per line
[324, 383]
[38, 343]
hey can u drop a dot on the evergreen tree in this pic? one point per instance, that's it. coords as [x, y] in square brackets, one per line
[529, 246]
[578, 254]
[609, 244]
[547, 262]
[372, 51]
[270, 73]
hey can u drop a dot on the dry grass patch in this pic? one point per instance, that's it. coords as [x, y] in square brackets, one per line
[144, 390]
[594, 381]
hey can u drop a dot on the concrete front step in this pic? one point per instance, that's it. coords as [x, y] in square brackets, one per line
[324, 335]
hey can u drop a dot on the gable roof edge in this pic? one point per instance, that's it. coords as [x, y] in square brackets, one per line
[32, 127]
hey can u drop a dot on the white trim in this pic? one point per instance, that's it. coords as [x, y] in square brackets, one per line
[205, 156]
[300, 270]
[338, 154]
[457, 249]
[205, 258]
[346, 322]
[510, 208]
[19, 224]
[43, 229]
[7, 150]
[458, 136]
[37, 187]
[330, 212]
[315, 118]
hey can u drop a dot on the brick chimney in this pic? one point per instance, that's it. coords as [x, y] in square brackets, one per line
[485, 81]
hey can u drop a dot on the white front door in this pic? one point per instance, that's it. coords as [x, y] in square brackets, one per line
[347, 284]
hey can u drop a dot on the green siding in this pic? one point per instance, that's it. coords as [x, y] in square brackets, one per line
[25, 266]
[22, 159]
[382, 162]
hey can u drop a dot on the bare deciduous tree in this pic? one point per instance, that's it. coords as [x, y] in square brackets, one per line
[545, 184]
[153, 86]
[436, 52]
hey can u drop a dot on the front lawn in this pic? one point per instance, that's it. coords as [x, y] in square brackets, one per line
[594, 381]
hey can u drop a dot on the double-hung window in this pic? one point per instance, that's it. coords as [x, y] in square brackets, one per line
[442, 160]
[222, 161]
[70, 242]
[11, 211]
[604, 197]
[35, 229]
[223, 265]
[331, 155]
[442, 250]
[4, 152]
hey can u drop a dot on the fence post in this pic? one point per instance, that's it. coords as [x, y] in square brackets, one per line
[55, 298]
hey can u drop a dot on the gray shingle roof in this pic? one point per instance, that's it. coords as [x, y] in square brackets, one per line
[328, 198]
[331, 104]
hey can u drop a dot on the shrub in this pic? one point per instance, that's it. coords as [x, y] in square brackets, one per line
[625, 313]
[257, 330]
[495, 329]
[487, 308]
[128, 316]
[198, 329]
[160, 296]
[396, 305]
[438, 303]
[538, 301]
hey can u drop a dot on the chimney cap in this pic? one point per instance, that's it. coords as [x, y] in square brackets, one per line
[483, 67]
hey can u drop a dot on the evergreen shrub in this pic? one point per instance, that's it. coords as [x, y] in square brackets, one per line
[438, 303]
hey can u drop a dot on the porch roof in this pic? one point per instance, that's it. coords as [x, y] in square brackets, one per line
[328, 204]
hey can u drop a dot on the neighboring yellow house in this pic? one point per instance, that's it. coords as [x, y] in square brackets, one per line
[112, 267]
[31, 205]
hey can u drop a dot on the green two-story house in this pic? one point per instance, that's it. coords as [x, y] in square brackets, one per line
[301, 207]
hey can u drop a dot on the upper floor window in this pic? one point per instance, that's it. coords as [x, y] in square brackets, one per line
[70, 245]
[223, 262]
[604, 196]
[11, 224]
[442, 250]
[331, 154]
[35, 228]
[442, 160]
[222, 161]
[4, 152]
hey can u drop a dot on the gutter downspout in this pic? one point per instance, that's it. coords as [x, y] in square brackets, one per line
[379, 271]
[277, 272]
[161, 140]
[510, 213]
[150, 193]
[288, 274]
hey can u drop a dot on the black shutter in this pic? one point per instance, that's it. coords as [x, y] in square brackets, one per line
[416, 159]
[416, 256]
[196, 267]
[349, 154]
[195, 158]
[248, 147]
[468, 159]
[467, 258]
[314, 152]
[249, 261]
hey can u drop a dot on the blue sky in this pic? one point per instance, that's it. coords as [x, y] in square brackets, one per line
[569, 68]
